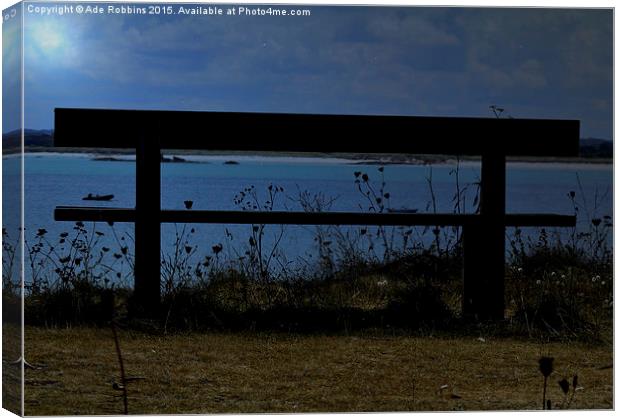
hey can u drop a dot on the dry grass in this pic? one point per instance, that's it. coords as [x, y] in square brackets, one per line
[11, 373]
[214, 373]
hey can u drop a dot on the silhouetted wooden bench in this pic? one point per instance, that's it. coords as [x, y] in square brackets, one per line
[483, 234]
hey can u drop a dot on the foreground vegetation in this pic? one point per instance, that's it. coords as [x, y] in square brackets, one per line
[557, 286]
[551, 292]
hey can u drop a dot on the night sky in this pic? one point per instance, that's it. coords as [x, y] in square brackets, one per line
[540, 63]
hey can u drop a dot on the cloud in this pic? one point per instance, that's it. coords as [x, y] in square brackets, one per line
[588, 54]
[528, 74]
[410, 29]
[516, 48]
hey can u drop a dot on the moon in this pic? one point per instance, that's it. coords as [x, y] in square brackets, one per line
[47, 37]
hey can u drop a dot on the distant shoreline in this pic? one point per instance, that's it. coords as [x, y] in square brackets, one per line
[338, 158]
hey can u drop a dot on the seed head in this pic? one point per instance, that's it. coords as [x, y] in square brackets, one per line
[564, 385]
[217, 248]
[546, 365]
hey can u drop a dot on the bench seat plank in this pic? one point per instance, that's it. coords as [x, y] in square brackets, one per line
[72, 213]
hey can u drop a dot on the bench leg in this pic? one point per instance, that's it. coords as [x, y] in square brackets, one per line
[483, 273]
[484, 246]
[147, 291]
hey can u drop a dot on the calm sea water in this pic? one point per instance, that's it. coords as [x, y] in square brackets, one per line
[52, 180]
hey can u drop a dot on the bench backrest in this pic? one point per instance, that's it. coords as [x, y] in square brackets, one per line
[232, 131]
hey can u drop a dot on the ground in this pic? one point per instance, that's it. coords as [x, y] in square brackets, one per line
[76, 370]
[11, 375]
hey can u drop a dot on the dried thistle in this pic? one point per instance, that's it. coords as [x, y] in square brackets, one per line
[564, 385]
[572, 395]
[123, 385]
[546, 366]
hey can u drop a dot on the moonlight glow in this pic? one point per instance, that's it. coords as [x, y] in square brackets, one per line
[45, 39]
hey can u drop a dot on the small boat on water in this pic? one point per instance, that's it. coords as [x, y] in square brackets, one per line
[104, 197]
